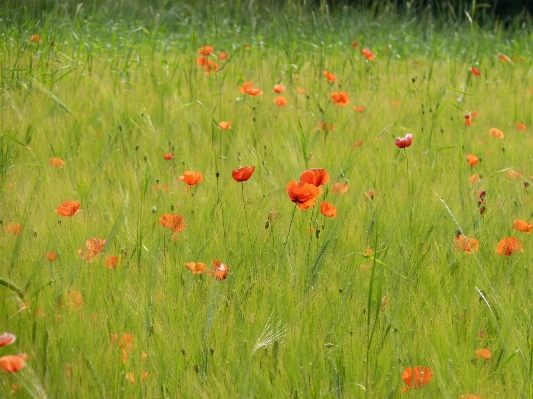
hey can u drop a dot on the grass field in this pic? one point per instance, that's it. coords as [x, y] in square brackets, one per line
[311, 306]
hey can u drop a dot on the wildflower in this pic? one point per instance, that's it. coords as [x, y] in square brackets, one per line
[474, 113]
[278, 88]
[355, 44]
[503, 58]
[144, 376]
[474, 178]
[56, 162]
[225, 125]
[223, 56]
[12, 363]
[168, 157]
[358, 108]
[220, 270]
[515, 174]
[331, 77]
[370, 55]
[369, 194]
[468, 119]
[243, 174]
[315, 176]
[358, 143]
[465, 244]
[471, 396]
[303, 194]
[472, 159]
[206, 50]
[68, 208]
[7, 339]
[404, 142]
[328, 209]
[245, 87]
[483, 353]
[281, 101]
[51, 256]
[14, 228]
[339, 188]
[191, 178]
[195, 268]
[130, 377]
[340, 98]
[254, 92]
[111, 262]
[173, 222]
[475, 71]
[523, 226]
[36, 39]
[520, 126]
[93, 246]
[416, 377]
[509, 246]
[497, 133]
[249, 89]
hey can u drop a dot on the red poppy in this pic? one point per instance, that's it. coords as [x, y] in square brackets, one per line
[14, 228]
[509, 246]
[191, 178]
[328, 209]
[405, 141]
[520, 126]
[245, 87]
[243, 174]
[483, 353]
[51, 256]
[340, 98]
[206, 50]
[220, 270]
[339, 188]
[254, 92]
[12, 363]
[173, 222]
[331, 77]
[315, 176]
[278, 88]
[523, 226]
[465, 244]
[416, 377]
[303, 194]
[7, 339]
[68, 208]
[195, 268]
[370, 55]
[56, 162]
[93, 246]
[224, 125]
[281, 101]
[358, 108]
[475, 71]
[497, 133]
[472, 159]
[168, 157]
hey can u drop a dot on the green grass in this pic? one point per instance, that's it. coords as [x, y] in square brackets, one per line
[299, 314]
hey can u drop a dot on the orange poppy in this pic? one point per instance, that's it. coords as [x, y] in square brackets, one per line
[206, 50]
[243, 174]
[370, 55]
[471, 396]
[111, 262]
[465, 244]
[223, 56]
[281, 101]
[315, 176]
[68, 208]
[278, 88]
[56, 162]
[35, 39]
[301, 90]
[195, 268]
[303, 194]
[474, 113]
[328, 209]
[404, 142]
[173, 222]
[416, 377]
[93, 246]
[475, 71]
[369, 194]
[7, 339]
[339, 188]
[358, 143]
[168, 157]
[358, 108]
[483, 353]
[515, 174]
[472, 159]
[474, 178]
[331, 77]
[245, 87]
[520, 126]
[503, 58]
[51, 256]
[254, 92]
[509, 246]
[191, 178]
[523, 226]
[12, 363]
[220, 270]
[497, 133]
[224, 125]
[14, 228]
[340, 98]
[202, 61]
[468, 119]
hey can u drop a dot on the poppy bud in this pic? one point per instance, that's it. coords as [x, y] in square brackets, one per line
[217, 174]
[172, 207]
[154, 209]
[183, 352]
[212, 350]
[120, 127]
[267, 224]
[482, 210]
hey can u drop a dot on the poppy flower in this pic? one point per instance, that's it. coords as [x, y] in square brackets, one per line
[93, 246]
[369, 194]
[223, 56]
[483, 353]
[331, 77]
[168, 157]
[243, 174]
[340, 98]
[191, 178]
[254, 92]
[472, 159]
[281, 101]
[475, 71]
[520, 126]
[468, 119]
[471, 396]
[497, 133]
[210, 66]
[195, 268]
[370, 55]
[355, 44]
[12, 363]
[515, 174]
[509, 246]
[51, 256]
[7, 339]
[416, 377]
[465, 244]
[56, 162]
[245, 87]
[523, 226]
[206, 50]
[328, 209]
[35, 39]
[68, 208]
[111, 262]
[220, 270]
[358, 108]
[173, 222]
[474, 113]
[404, 142]
[339, 188]
[315, 176]
[303, 194]
[358, 143]
[474, 178]
[14, 228]
[224, 125]
[503, 58]
[278, 88]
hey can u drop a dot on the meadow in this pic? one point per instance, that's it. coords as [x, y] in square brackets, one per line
[425, 267]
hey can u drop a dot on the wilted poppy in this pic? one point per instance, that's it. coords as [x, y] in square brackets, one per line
[339, 188]
[475, 71]
[51, 256]
[191, 178]
[220, 270]
[328, 209]
[416, 377]
[340, 98]
[331, 77]
[173, 222]
[14, 228]
[509, 246]
[168, 157]
[405, 141]
[315, 176]
[358, 108]
[12, 363]
[68, 208]
[243, 174]
[303, 194]
[195, 268]
[523, 226]
[497, 133]
[483, 353]
[56, 162]
[370, 55]
[520, 126]
[278, 88]
[224, 125]
[472, 159]
[465, 244]
[93, 246]
[281, 101]
[7, 339]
